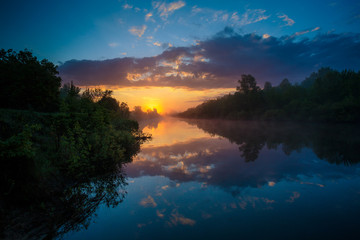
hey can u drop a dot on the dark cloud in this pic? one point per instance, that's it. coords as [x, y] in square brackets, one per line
[219, 62]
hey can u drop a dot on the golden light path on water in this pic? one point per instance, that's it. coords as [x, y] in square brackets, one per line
[166, 133]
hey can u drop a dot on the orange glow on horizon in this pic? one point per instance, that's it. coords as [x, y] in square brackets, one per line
[165, 99]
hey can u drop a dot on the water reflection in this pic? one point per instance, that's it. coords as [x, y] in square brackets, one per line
[333, 143]
[221, 180]
[209, 156]
[38, 209]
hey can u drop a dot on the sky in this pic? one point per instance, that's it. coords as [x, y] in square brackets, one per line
[175, 54]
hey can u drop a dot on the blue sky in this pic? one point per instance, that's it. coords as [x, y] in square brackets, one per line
[96, 30]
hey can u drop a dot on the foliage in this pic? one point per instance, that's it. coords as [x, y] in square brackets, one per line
[27, 83]
[327, 95]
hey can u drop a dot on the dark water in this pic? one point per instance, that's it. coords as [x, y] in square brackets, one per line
[237, 180]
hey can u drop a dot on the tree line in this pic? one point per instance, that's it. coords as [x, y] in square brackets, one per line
[326, 95]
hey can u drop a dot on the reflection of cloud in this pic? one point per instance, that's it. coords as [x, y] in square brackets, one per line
[268, 201]
[186, 155]
[160, 213]
[292, 198]
[165, 187]
[140, 225]
[180, 166]
[148, 202]
[206, 215]
[177, 218]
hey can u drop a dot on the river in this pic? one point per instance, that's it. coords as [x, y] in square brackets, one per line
[208, 179]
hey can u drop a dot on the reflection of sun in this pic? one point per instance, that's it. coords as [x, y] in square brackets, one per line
[151, 106]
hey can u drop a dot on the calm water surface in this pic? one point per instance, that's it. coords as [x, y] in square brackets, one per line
[237, 180]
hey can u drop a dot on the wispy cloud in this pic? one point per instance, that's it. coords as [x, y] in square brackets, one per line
[127, 6]
[253, 16]
[157, 44]
[138, 31]
[303, 32]
[120, 21]
[285, 18]
[113, 44]
[166, 9]
[195, 9]
[235, 17]
[148, 17]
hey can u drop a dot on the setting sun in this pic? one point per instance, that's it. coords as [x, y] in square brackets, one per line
[152, 106]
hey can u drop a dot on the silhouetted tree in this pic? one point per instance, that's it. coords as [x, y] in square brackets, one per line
[267, 86]
[247, 84]
[27, 83]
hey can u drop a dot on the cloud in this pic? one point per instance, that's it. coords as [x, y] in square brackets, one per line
[289, 21]
[148, 17]
[253, 16]
[113, 44]
[249, 17]
[266, 36]
[195, 10]
[121, 21]
[127, 6]
[271, 183]
[166, 9]
[218, 62]
[304, 32]
[138, 31]
[157, 44]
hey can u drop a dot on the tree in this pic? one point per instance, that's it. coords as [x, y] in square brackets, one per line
[284, 83]
[27, 83]
[267, 86]
[124, 110]
[247, 84]
[109, 103]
